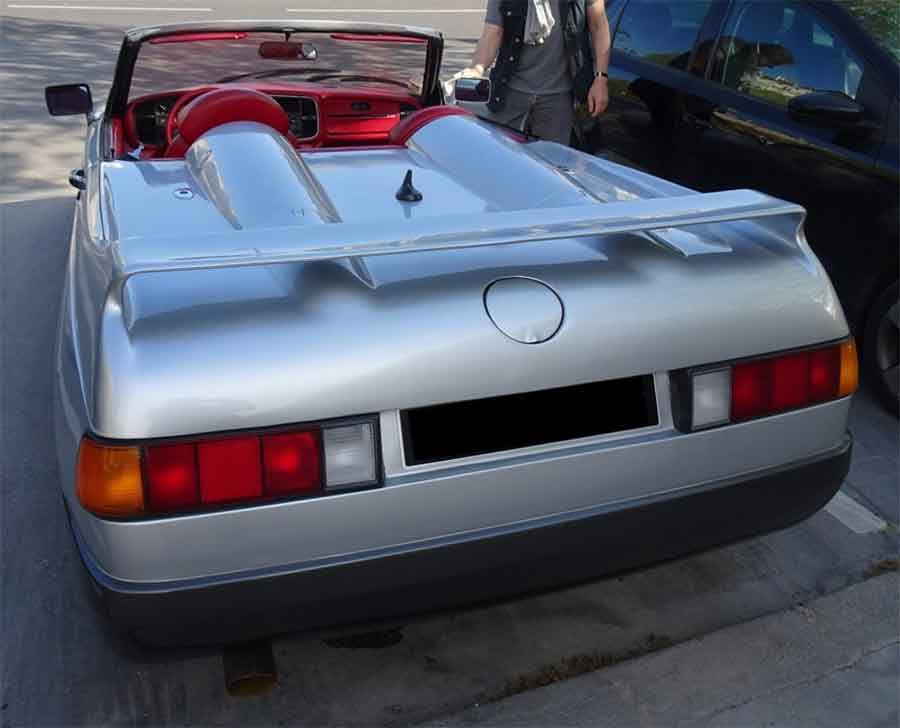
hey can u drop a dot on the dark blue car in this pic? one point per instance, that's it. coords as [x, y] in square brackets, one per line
[796, 98]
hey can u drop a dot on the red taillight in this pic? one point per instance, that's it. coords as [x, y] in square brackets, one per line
[171, 472]
[210, 472]
[291, 463]
[119, 481]
[229, 470]
[771, 385]
[824, 374]
[751, 390]
[790, 382]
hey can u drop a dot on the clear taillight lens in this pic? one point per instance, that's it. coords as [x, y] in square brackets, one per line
[711, 402]
[349, 456]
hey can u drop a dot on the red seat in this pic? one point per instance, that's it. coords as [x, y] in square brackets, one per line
[402, 133]
[223, 106]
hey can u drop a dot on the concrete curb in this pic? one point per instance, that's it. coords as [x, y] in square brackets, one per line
[832, 662]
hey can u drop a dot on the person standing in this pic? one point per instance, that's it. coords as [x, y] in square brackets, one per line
[546, 55]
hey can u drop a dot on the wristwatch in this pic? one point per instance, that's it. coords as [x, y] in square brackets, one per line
[598, 74]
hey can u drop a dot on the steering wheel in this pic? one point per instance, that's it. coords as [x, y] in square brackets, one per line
[172, 118]
[200, 110]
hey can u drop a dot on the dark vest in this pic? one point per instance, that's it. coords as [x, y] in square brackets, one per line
[576, 39]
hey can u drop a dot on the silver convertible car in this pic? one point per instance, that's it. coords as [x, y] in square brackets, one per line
[333, 351]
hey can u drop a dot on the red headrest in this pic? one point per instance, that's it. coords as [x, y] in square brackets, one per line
[401, 133]
[225, 105]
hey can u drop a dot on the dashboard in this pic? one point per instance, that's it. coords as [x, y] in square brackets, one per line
[303, 114]
[150, 120]
[317, 117]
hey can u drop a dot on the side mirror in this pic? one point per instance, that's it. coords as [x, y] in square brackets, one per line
[473, 90]
[825, 109]
[68, 100]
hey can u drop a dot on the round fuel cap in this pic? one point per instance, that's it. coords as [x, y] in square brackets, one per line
[524, 309]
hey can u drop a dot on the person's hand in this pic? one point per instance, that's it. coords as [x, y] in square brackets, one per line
[598, 96]
[476, 71]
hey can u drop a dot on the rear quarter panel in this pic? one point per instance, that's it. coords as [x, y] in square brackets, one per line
[87, 277]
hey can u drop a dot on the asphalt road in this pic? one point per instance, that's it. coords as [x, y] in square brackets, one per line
[61, 664]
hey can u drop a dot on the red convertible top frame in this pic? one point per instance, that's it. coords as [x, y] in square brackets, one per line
[134, 38]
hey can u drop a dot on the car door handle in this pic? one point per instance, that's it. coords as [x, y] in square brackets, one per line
[77, 179]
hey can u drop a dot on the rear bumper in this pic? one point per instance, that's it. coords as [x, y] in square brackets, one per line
[551, 552]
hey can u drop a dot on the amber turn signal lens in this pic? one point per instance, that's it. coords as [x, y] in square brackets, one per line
[849, 369]
[109, 480]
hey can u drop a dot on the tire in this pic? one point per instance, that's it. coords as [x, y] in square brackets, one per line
[881, 347]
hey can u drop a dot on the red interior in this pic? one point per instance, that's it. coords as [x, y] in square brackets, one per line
[380, 38]
[193, 37]
[117, 137]
[222, 106]
[347, 117]
[354, 121]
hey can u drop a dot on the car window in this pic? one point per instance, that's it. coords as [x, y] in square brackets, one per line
[778, 50]
[661, 32]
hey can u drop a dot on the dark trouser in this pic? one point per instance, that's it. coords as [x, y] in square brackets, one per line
[548, 116]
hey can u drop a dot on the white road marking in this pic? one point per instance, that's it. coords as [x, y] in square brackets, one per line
[386, 11]
[126, 8]
[853, 515]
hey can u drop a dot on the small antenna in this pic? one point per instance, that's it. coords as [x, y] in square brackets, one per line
[408, 193]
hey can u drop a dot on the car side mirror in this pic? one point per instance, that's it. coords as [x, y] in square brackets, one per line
[68, 100]
[825, 109]
[473, 90]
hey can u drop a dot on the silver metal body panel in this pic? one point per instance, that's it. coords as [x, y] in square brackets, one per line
[418, 507]
[237, 308]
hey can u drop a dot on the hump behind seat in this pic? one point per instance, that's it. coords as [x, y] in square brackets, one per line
[402, 133]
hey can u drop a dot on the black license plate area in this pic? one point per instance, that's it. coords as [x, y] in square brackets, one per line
[481, 426]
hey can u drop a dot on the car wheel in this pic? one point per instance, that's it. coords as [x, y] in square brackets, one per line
[881, 352]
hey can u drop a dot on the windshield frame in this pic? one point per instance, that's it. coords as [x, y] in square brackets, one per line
[128, 54]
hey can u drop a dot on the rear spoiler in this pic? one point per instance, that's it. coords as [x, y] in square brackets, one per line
[331, 241]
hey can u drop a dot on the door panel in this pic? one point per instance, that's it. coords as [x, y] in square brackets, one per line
[651, 53]
[738, 132]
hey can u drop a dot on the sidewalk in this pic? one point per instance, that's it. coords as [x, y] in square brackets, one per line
[832, 662]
